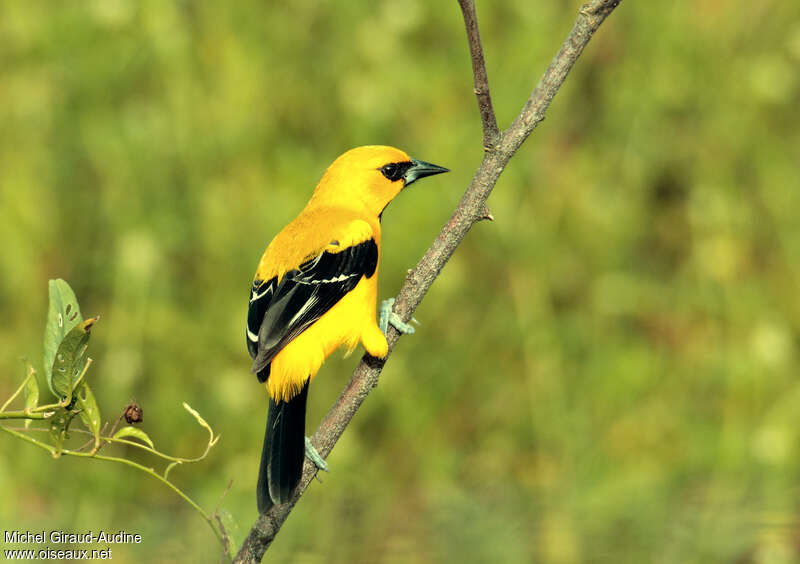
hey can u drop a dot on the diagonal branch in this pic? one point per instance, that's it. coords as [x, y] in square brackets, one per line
[470, 210]
[591, 15]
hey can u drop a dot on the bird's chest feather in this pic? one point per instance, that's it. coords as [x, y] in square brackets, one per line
[342, 326]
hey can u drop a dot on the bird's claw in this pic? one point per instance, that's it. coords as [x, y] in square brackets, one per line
[387, 316]
[314, 456]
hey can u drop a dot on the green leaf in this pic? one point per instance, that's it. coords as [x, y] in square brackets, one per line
[59, 425]
[89, 411]
[135, 433]
[31, 391]
[71, 358]
[62, 315]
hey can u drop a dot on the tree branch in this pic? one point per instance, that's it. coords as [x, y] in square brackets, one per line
[471, 209]
[480, 78]
[591, 15]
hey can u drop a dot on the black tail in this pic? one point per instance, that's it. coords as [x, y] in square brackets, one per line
[283, 451]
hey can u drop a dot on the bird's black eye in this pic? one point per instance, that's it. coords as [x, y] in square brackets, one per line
[391, 171]
[394, 171]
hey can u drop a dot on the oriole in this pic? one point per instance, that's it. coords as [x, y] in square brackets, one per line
[314, 291]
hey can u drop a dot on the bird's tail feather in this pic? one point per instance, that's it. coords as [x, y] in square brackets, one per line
[283, 451]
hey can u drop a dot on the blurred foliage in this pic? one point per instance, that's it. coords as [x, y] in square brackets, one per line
[65, 365]
[606, 373]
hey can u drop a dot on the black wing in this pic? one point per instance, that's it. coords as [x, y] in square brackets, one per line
[279, 312]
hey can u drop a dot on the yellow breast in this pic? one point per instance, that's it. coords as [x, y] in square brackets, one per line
[351, 320]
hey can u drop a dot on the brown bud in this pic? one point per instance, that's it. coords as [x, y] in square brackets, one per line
[133, 413]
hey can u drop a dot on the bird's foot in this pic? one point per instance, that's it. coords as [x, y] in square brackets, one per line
[387, 316]
[314, 456]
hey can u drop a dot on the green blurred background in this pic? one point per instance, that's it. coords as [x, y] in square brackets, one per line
[606, 373]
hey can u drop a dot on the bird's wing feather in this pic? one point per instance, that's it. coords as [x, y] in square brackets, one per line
[280, 311]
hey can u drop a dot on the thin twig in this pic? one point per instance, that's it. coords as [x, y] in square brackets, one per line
[67, 452]
[480, 78]
[471, 209]
[22, 414]
[30, 375]
[591, 15]
[226, 539]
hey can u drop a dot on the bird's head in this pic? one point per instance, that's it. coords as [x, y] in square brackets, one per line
[370, 177]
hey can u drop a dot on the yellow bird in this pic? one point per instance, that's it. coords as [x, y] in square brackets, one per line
[315, 290]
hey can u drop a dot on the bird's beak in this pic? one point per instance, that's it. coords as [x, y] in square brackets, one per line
[421, 169]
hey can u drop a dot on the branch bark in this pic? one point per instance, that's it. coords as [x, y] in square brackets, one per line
[499, 148]
[480, 78]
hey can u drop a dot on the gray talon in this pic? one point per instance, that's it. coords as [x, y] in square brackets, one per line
[387, 316]
[314, 456]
